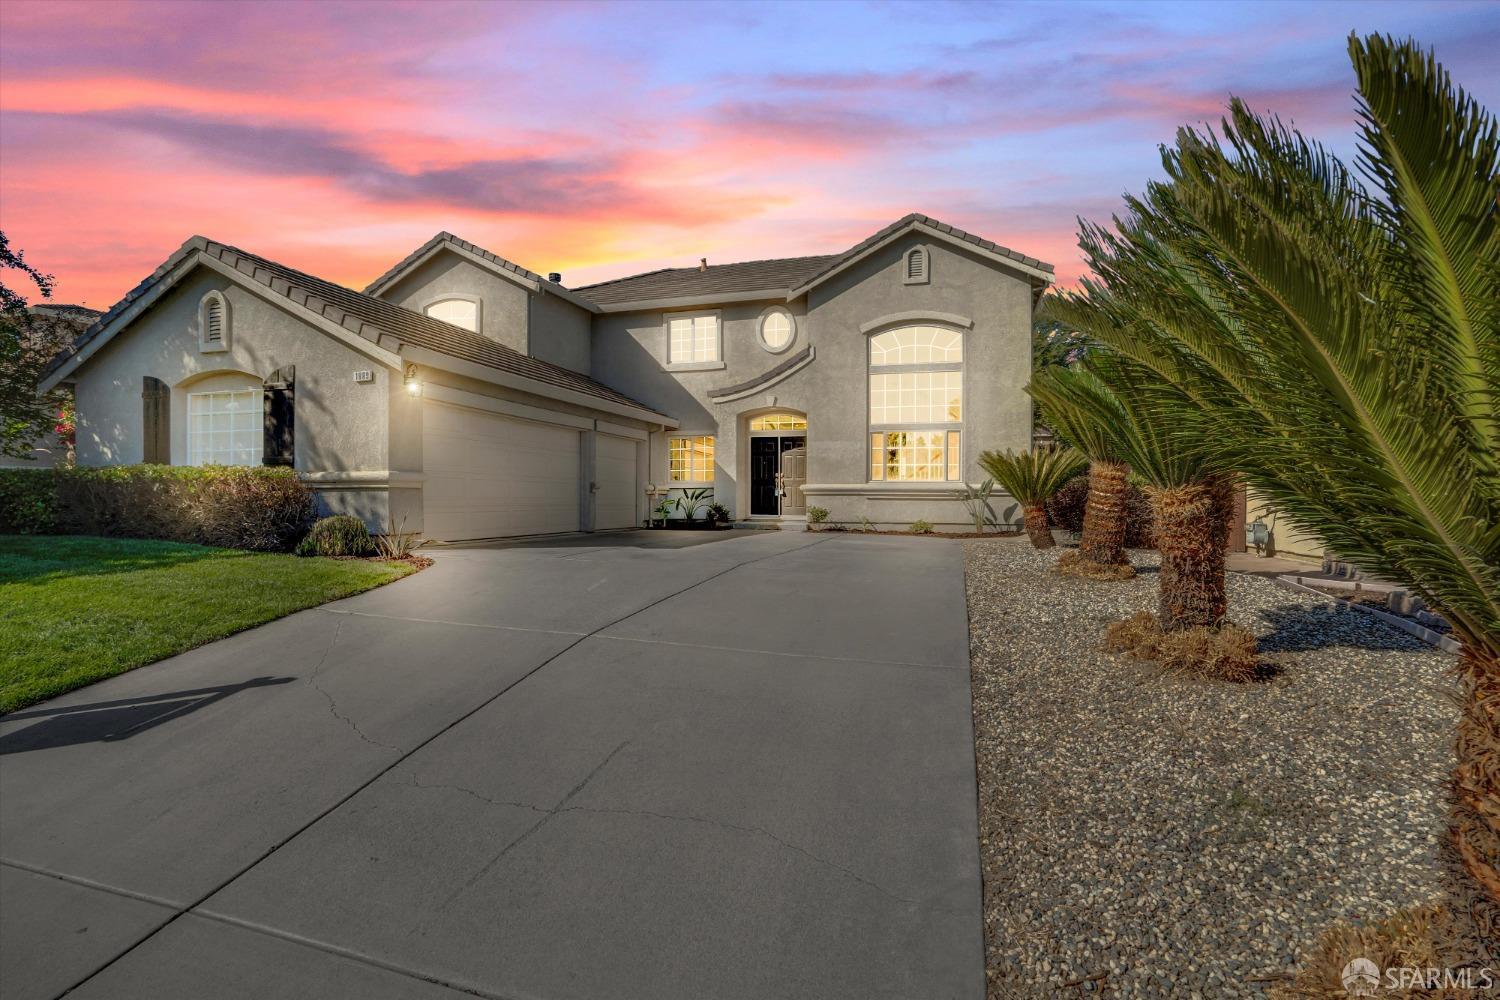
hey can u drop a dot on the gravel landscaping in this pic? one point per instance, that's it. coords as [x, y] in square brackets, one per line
[1146, 834]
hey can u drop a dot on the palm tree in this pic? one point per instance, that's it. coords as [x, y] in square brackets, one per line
[1032, 477]
[1341, 347]
[1103, 541]
[1191, 500]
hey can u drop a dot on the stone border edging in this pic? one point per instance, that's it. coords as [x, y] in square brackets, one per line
[1446, 643]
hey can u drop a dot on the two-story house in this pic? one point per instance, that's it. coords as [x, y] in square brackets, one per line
[466, 397]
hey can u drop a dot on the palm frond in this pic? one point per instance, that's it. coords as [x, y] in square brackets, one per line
[1033, 476]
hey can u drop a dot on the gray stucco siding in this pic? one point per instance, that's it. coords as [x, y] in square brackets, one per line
[832, 390]
[560, 332]
[341, 425]
[503, 303]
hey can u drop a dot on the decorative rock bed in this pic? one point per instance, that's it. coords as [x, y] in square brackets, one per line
[1150, 835]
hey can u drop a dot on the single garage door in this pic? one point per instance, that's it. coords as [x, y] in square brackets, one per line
[614, 472]
[489, 476]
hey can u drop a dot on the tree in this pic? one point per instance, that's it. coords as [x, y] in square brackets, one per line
[1340, 346]
[1032, 477]
[27, 344]
[1191, 501]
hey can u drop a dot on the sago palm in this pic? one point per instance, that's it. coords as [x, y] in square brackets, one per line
[1118, 401]
[1341, 348]
[1103, 540]
[1032, 477]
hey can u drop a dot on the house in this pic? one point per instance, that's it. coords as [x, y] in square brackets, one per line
[467, 397]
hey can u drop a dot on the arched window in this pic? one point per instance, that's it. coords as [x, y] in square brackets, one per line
[914, 267]
[213, 322]
[916, 404]
[459, 312]
[778, 422]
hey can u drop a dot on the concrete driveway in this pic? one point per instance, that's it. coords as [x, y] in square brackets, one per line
[651, 765]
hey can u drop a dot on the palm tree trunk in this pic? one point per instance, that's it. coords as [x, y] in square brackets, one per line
[1103, 539]
[1476, 793]
[1190, 532]
[1035, 516]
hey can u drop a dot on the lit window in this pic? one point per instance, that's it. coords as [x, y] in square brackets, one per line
[778, 422]
[693, 339]
[225, 428]
[776, 330]
[459, 312]
[916, 404]
[691, 459]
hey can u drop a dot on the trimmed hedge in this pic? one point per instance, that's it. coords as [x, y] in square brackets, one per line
[1065, 510]
[237, 507]
[339, 535]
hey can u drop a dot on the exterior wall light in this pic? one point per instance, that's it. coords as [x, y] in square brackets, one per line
[413, 384]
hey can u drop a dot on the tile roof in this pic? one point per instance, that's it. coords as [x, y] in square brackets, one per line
[682, 282]
[781, 275]
[364, 315]
[449, 238]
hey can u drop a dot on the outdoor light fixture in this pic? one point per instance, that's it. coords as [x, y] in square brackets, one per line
[413, 384]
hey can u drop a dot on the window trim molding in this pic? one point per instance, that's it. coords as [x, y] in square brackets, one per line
[691, 366]
[885, 325]
[691, 484]
[457, 297]
[926, 276]
[760, 329]
[206, 346]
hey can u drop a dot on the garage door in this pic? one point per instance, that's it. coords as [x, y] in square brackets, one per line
[614, 471]
[489, 476]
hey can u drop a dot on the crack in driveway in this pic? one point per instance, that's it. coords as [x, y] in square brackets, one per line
[333, 709]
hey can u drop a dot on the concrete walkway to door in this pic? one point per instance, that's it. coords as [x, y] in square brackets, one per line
[631, 766]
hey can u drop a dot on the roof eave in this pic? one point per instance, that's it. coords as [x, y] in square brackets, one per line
[689, 301]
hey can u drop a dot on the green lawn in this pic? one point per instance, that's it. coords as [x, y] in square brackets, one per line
[74, 610]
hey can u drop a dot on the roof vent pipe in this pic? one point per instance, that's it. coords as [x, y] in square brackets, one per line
[703, 263]
[555, 277]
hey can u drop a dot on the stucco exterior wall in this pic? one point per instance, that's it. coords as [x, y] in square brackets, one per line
[503, 310]
[630, 353]
[560, 332]
[342, 426]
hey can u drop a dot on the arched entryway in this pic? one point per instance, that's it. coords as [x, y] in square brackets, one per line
[778, 463]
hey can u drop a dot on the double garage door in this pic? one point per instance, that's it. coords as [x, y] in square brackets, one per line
[492, 476]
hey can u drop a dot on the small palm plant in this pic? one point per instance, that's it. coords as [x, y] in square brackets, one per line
[1102, 546]
[1032, 477]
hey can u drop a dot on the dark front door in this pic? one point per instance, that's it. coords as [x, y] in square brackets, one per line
[765, 462]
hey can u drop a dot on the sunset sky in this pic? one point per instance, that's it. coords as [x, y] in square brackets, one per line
[604, 139]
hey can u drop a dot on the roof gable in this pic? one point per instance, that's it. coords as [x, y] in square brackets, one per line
[383, 327]
[478, 255]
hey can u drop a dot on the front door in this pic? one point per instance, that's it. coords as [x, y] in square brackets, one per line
[778, 468]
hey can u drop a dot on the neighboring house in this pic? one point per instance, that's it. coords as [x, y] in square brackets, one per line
[468, 397]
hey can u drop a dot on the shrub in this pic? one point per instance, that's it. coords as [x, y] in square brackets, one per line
[922, 527]
[817, 515]
[252, 507]
[339, 535]
[396, 542]
[1066, 506]
[1227, 652]
[718, 513]
[28, 501]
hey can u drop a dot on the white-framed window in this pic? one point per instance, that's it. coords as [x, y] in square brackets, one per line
[916, 405]
[690, 459]
[225, 428]
[778, 422]
[778, 328]
[458, 311]
[213, 322]
[693, 339]
[915, 266]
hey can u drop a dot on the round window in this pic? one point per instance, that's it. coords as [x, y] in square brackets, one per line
[776, 330]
